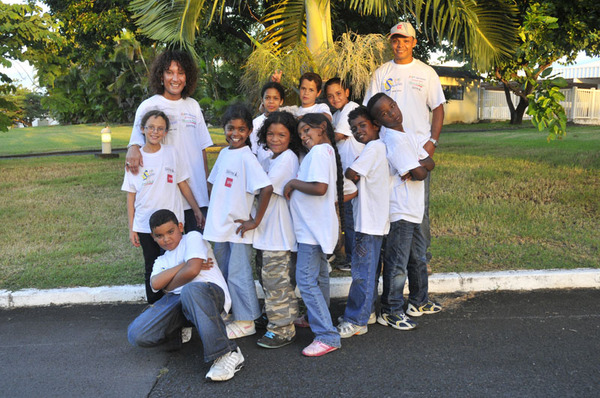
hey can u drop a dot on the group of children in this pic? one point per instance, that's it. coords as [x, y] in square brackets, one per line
[288, 182]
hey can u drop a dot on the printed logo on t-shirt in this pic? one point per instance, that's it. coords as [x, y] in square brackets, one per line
[188, 119]
[416, 82]
[148, 177]
[228, 182]
[170, 178]
[388, 84]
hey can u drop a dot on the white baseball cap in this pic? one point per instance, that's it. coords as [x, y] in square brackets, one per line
[403, 29]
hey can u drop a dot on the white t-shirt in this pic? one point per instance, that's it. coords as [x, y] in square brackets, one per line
[187, 133]
[258, 150]
[415, 87]
[315, 219]
[192, 245]
[407, 198]
[276, 230]
[372, 205]
[155, 186]
[340, 119]
[299, 111]
[236, 178]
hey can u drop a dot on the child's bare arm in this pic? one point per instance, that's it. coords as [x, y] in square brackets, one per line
[161, 280]
[133, 236]
[428, 163]
[309, 188]
[352, 175]
[417, 174]
[185, 274]
[263, 201]
[189, 196]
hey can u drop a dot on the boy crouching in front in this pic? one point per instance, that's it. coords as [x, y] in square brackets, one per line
[195, 291]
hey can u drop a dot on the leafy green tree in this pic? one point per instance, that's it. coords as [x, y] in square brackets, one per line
[549, 31]
[26, 34]
[27, 107]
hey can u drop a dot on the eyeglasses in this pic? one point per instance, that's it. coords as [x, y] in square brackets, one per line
[153, 129]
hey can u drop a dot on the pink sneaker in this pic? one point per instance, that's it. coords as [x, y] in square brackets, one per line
[317, 348]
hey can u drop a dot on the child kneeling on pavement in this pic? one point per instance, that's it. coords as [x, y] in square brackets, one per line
[195, 291]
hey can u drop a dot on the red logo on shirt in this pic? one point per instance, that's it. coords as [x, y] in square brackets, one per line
[228, 182]
[170, 178]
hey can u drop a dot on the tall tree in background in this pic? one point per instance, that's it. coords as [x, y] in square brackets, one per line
[103, 76]
[26, 34]
[549, 31]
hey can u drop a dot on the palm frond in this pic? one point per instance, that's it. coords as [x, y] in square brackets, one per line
[376, 7]
[354, 58]
[487, 29]
[170, 21]
[285, 25]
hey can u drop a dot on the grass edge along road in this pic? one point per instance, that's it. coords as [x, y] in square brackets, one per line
[500, 200]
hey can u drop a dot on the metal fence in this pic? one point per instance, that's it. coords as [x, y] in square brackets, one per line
[581, 105]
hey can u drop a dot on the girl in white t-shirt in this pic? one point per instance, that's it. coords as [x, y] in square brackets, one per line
[234, 181]
[312, 202]
[274, 238]
[157, 186]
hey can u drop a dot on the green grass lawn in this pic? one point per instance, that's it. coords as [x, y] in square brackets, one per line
[500, 200]
[69, 138]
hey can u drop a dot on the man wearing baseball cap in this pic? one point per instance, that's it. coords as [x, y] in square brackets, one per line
[416, 88]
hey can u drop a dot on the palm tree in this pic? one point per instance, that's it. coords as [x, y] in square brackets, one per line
[485, 30]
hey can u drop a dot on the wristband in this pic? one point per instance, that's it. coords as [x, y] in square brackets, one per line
[434, 142]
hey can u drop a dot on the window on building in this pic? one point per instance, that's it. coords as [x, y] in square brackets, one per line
[454, 92]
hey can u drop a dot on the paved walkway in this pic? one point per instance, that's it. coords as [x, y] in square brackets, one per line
[493, 344]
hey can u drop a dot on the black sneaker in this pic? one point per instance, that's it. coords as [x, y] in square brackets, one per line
[272, 340]
[261, 322]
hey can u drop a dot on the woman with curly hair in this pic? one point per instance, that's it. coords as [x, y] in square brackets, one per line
[173, 78]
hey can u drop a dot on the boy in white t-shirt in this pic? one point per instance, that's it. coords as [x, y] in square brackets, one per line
[370, 172]
[310, 88]
[195, 291]
[404, 254]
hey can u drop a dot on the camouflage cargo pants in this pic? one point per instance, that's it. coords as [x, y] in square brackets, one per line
[281, 304]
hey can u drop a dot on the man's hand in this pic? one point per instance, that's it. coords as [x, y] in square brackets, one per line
[134, 160]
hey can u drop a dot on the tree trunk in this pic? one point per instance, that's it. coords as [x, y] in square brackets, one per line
[318, 25]
[517, 118]
[516, 114]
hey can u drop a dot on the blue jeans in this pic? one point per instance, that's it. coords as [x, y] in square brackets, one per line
[349, 230]
[199, 302]
[312, 277]
[234, 262]
[404, 256]
[425, 226]
[365, 261]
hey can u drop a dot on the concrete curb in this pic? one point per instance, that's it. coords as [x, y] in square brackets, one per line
[438, 283]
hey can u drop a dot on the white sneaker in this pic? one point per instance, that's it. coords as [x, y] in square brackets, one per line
[372, 319]
[186, 335]
[237, 329]
[347, 329]
[225, 367]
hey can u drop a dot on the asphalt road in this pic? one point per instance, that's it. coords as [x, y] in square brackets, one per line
[504, 344]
